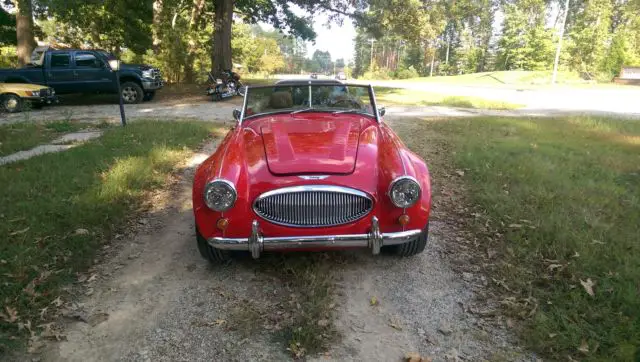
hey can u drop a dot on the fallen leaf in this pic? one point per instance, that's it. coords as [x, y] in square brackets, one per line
[515, 226]
[373, 301]
[553, 267]
[552, 335]
[97, 318]
[220, 322]
[57, 302]
[82, 232]
[323, 323]
[576, 255]
[92, 278]
[460, 173]
[20, 231]
[588, 286]
[584, 347]
[415, 357]
[395, 325]
[11, 316]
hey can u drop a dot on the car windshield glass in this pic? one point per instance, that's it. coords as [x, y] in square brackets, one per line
[106, 54]
[298, 98]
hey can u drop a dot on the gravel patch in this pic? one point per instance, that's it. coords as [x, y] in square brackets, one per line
[60, 144]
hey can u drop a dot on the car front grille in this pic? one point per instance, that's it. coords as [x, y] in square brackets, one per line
[313, 205]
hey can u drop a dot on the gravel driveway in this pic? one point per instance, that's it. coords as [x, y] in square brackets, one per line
[153, 298]
[168, 108]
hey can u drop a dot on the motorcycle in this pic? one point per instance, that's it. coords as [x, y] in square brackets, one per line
[226, 85]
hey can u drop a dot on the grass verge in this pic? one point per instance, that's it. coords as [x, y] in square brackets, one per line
[26, 135]
[559, 207]
[57, 209]
[400, 96]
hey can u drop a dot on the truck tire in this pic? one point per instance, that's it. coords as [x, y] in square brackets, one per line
[131, 93]
[11, 103]
[414, 247]
[148, 96]
[213, 255]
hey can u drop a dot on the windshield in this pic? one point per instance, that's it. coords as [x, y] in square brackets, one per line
[106, 54]
[296, 98]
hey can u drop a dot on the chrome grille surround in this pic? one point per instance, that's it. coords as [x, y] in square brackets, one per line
[313, 206]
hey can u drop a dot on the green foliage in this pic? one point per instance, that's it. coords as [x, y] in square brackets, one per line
[406, 73]
[525, 43]
[589, 34]
[109, 24]
[7, 28]
[8, 57]
[382, 73]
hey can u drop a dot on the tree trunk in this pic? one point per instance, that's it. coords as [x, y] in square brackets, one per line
[157, 23]
[24, 31]
[221, 55]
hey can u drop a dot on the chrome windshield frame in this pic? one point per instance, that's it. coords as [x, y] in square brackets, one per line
[372, 99]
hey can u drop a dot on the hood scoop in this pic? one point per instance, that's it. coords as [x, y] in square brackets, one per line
[311, 146]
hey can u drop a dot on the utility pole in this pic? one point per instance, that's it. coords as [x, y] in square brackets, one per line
[371, 64]
[557, 59]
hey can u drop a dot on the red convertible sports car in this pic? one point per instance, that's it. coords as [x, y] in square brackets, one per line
[310, 165]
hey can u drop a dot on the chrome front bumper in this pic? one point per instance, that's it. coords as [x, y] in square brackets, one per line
[256, 243]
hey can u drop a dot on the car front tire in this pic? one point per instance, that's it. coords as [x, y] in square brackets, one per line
[213, 255]
[148, 96]
[131, 93]
[414, 247]
[11, 103]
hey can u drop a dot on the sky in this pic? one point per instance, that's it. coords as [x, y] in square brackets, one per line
[337, 39]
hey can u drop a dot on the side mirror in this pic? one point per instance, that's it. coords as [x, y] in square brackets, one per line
[382, 111]
[237, 114]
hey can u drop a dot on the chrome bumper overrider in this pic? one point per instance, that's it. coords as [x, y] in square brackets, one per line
[256, 243]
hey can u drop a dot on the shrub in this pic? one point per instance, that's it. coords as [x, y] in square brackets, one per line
[406, 73]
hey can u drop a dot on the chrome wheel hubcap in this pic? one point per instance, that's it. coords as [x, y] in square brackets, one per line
[129, 94]
[11, 103]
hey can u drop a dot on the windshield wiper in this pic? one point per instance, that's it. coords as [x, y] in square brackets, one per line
[303, 110]
[351, 111]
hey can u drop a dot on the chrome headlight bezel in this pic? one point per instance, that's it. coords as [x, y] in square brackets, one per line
[147, 73]
[404, 181]
[220, 185]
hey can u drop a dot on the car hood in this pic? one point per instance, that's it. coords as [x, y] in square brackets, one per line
[135, 66]
[319, 145]
[18, 87]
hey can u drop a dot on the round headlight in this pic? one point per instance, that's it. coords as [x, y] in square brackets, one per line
[220, 195]
[404, 191]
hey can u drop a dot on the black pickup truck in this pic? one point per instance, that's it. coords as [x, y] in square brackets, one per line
[87, 71]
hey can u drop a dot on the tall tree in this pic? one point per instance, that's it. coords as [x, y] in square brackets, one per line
[525, 43]
[279, 13]
[24, 31]
[590, 35]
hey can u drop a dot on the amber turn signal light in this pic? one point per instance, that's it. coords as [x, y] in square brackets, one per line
[222, 223]
[404, 220]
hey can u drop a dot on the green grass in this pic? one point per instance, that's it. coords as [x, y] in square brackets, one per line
[96, 187]
[26, 135]
[399, 96]
[560, 204]
[518, 78]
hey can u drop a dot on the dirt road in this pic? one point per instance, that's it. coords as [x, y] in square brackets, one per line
[102, 108]
[153, 298]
